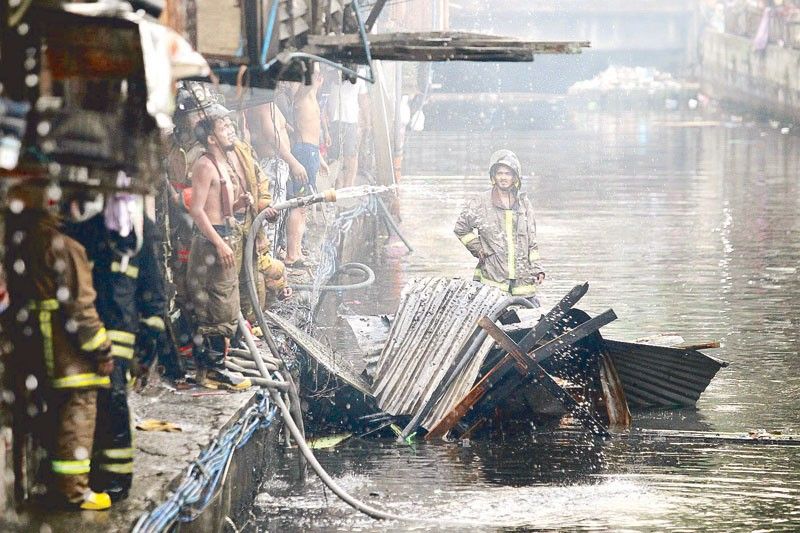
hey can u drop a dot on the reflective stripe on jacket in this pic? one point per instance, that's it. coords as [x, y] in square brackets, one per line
[507, 240]
[55, 321]
[128, 287]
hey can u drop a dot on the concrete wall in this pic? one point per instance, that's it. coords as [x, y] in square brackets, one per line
[765, 82]
[249, 468]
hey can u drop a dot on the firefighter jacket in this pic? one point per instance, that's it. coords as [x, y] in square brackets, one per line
[257, 181]
[505, 238]
[180, 161]
[52, 321]
[128, 286]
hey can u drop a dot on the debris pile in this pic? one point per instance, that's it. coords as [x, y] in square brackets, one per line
[627, 79]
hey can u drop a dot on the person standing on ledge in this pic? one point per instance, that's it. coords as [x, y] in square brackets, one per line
[497, 227]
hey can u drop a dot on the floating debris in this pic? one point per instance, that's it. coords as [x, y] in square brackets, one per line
[618, 78]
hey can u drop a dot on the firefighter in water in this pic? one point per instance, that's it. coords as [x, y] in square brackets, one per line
[60, 350]
[498, 228]
[130, 301]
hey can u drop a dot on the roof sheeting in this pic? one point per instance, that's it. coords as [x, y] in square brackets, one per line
[658, 376]
[435, 319]
[336, 365]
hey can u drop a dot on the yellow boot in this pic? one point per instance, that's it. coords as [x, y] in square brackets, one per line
[96, 501]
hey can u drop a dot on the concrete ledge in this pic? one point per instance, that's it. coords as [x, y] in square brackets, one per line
[161, 459]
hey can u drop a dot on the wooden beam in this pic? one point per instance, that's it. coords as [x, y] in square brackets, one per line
[512, 382]
[505, 369]
[540, 376]
[542, 327]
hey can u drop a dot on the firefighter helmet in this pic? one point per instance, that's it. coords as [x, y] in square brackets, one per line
[195, 96]
[509, 159]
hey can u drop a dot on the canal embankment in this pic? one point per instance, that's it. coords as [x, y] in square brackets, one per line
[766, 82]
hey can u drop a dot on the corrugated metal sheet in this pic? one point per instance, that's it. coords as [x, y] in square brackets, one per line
[658, 376]
[371, 334]
[435, 318]
[322, 354]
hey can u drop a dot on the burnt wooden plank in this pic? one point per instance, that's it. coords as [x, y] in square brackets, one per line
[437, 38]
[538, 374]
[436, 46]
[538, 332]
[509, 383]
[427, 53]
[504, 369]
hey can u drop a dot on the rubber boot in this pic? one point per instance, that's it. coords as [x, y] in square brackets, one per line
[212, 373]
[95, 501]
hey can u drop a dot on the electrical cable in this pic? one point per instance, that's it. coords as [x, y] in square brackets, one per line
[205, 477]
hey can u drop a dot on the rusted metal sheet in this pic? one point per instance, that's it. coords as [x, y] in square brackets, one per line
[435, 318]
[658, 376]
[338, 366]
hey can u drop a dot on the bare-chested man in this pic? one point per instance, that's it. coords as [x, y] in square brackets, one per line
[218, 190]
[308, 127]
[271, 139]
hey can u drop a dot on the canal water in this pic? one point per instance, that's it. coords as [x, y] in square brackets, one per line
[682, 224]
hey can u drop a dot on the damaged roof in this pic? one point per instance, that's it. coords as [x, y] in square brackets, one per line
[435, 319]
[660, 376]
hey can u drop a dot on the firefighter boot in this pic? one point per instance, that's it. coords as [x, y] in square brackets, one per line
[211, 372]
[95, 501]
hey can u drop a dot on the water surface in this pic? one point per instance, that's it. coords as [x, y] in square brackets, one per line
[680, 228]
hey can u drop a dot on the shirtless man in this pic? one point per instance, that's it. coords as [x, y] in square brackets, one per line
[271, 138]
[218, 191]
[308, 127]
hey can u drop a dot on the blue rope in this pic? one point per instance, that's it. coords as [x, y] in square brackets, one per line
[203, 477]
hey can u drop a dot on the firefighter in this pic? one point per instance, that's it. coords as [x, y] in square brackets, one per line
[192, 101]
[60, 353]
[498, 228]
[130, 299]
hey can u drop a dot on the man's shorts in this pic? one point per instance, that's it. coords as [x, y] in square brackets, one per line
[308, 156]
[344, 139]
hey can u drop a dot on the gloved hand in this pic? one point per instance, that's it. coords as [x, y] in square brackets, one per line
[105, 367]
[140, 372]
[149, 339]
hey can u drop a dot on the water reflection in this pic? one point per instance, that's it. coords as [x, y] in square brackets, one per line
[682, 227]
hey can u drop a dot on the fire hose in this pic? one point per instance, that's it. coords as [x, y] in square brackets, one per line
[292, 416]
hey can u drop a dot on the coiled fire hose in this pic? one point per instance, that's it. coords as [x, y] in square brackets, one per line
[347, 267]
[292, 416]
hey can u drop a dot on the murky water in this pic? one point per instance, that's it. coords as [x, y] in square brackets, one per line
[680, 228]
